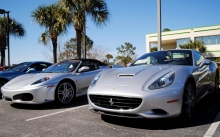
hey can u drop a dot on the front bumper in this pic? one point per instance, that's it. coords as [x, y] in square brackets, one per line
[31, 95]
[159, 103]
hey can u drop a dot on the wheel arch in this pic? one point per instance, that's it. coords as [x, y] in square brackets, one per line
[191, 78]
[4, 79]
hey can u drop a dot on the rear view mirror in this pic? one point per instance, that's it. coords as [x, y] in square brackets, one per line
[31, 70]
[83, 69]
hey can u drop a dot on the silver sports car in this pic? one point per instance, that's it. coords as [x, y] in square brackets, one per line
[157, 85]
[61, 82]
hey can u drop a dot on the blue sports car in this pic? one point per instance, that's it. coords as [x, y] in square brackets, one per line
[22, 68]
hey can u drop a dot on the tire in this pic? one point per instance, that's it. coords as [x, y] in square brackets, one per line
[65, 92]
[217, 83]
[2, 82]
[189, 101]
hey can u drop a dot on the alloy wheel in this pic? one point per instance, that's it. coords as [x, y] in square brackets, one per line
[65, 93]
[189, 101]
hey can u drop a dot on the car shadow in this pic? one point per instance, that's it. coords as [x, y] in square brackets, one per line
[206, 112]
[79, 101]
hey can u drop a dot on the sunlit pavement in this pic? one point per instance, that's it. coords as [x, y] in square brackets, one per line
[76, 120]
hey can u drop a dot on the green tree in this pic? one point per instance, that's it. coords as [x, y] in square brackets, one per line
[166, 29]
[55, 20]
[15, 29]
[196, 45]
[109, 56]
[70, 48]
[96, 9]
[153, 49]
[125, 53]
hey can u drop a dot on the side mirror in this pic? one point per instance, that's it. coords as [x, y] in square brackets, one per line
[31, 70]
[83, 69]
[205, 62]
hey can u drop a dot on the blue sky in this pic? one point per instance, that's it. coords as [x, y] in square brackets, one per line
[130, 21]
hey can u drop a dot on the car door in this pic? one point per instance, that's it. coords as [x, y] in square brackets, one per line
[84, 78]
[202, 75]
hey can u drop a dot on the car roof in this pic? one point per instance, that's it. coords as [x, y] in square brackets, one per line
[34, 61]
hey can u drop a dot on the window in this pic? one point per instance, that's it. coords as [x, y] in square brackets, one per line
[218, 39]
[91, 64]
[209, 40]
[182, 42]
[198, 58]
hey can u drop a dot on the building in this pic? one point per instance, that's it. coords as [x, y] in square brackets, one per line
[209, 35]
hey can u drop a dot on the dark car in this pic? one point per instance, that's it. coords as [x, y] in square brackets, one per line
[22, 68]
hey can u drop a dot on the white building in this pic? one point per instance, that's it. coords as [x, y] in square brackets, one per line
[210, 35]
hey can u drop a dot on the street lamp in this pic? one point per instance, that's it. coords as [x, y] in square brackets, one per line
[159, 24]
[2, 11]
[84, 41]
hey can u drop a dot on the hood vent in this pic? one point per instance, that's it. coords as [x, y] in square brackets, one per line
[126, 75]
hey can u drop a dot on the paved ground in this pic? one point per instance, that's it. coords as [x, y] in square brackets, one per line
[76, 120]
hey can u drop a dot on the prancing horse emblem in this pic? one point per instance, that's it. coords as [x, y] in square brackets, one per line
[111, 101]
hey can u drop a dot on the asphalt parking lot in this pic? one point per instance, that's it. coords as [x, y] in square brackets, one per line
[51, 119]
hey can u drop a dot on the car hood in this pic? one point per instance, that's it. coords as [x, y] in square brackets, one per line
[27, 79]
[136, 76]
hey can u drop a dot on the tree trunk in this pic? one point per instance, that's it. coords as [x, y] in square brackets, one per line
[2, 57]
[78, 43]
[54, 42]
[3, 44]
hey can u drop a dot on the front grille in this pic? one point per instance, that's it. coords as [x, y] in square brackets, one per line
[114, 102]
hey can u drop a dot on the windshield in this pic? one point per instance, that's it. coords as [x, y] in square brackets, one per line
[18, 67]
[62, 67]
[170, 57]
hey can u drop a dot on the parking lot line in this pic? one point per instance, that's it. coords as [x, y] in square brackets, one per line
[210, 132]
[54, 113]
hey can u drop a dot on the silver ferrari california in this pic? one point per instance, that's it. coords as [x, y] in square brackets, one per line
[61, 82]
[159, 84]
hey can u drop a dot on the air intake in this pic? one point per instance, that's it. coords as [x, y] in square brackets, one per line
[126, 75]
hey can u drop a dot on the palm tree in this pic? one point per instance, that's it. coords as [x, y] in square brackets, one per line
[15, 29]
[96, 9]
[108, 56]
[55, 20]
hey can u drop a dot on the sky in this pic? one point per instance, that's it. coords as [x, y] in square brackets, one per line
[130, 21]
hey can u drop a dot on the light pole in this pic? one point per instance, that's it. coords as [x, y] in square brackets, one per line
[85, 40]
[2, 11]
[159, 24]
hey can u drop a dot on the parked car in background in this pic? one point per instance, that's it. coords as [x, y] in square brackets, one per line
[2, 68]
[22, 68]
[62, 82]
[157, 85]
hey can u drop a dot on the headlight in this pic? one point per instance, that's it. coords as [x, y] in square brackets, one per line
[40, 80]
[95, 80]
[164, 81]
